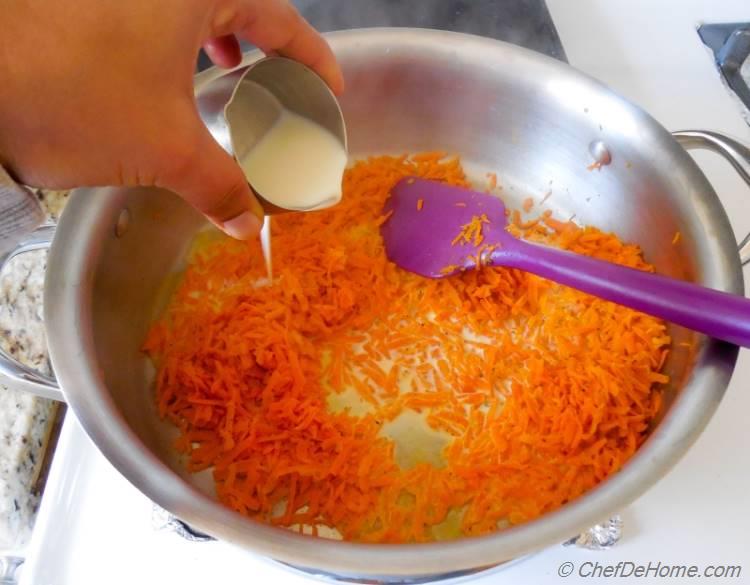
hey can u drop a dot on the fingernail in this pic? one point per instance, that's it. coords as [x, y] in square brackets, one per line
[243, 227]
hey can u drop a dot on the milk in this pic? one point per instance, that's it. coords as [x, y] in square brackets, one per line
[297, 165]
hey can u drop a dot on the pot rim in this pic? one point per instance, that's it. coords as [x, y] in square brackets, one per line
[68, 289]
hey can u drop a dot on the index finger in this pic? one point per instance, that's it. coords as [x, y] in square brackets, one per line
[275, 26]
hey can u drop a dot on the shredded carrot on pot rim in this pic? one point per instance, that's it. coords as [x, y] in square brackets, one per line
[352, 395]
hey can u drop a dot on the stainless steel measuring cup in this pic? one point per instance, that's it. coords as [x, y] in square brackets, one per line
[240, 107]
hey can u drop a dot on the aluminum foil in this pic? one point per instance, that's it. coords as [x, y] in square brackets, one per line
[163, 520]
[601, 536]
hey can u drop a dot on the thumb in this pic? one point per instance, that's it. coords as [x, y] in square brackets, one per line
[208, 178]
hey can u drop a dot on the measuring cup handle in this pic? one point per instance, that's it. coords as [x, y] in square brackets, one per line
[14, 374]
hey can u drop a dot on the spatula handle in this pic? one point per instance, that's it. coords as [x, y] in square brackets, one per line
[718, 314]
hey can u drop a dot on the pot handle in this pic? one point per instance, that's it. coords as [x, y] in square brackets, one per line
[14, 374]
[736, 153]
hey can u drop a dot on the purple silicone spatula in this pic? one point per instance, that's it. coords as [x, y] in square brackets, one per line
[427, 216]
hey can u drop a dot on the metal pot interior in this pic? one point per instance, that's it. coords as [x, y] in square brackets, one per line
[502, 109]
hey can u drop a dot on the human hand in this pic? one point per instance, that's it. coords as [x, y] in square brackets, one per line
[100, 92]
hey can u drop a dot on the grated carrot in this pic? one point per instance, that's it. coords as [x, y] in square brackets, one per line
[420, 204]
[549, 392]
[528, 204]
[449, 269]
[471, 233]
[676, 238]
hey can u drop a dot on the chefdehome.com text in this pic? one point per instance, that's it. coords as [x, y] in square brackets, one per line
[652, 569]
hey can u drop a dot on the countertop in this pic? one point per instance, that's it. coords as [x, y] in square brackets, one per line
[25, 420]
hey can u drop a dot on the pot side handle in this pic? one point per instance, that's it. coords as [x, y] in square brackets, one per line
[14, 374]
[736, 153]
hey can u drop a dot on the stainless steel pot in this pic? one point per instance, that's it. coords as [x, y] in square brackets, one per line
[535, 121]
